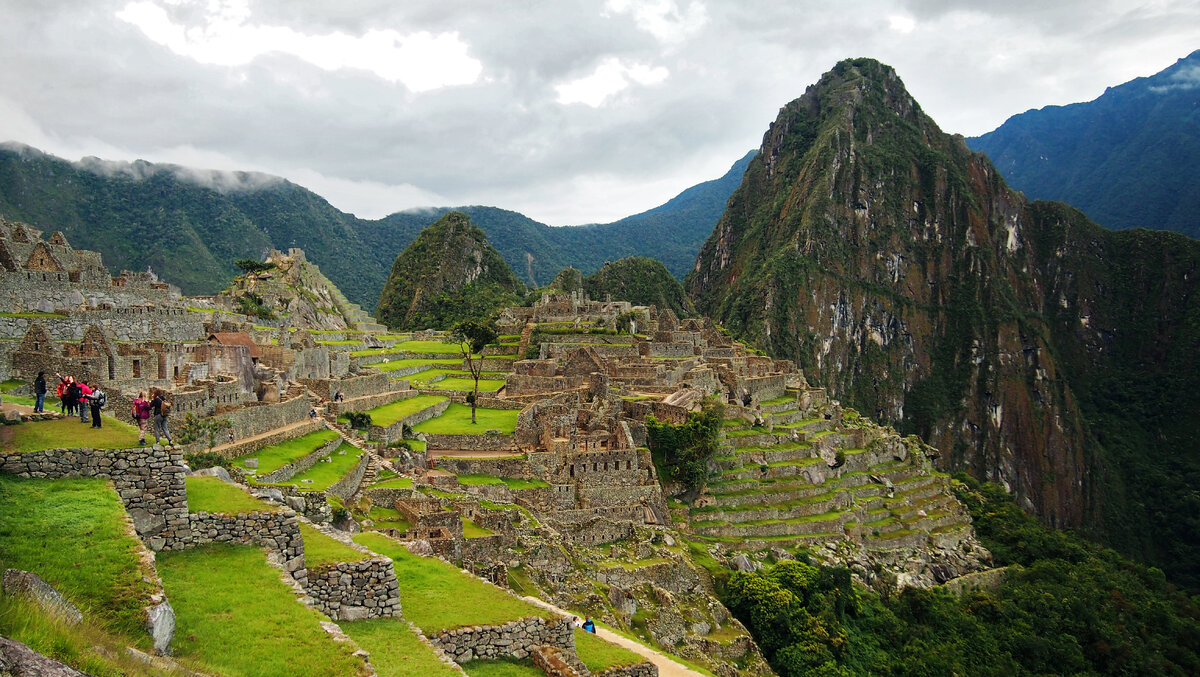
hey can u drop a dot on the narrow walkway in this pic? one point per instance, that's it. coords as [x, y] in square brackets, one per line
[667, 667]
[261, 436]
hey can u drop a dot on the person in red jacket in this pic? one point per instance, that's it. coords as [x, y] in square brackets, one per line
[141, 416]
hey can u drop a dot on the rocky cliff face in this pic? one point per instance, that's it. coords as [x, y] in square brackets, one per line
[896, 267]
[449, 273]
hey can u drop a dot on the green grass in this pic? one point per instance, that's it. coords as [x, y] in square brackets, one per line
[473, 530]
[321, 551]
[210, 494]
[428, 347]
[72, 533]
[394, 483]
[466, 384]
[395, 649]
[67, 433]
[32, 315]
[276, 456]
[514, 483]
[344, 342]
[599, 655]
[325, 475]
[401, 409]
[438, 597]
[12, 384]
[503, 668]
[457, 421]
[233, 612]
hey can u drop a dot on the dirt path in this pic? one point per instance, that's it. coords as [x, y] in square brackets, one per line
[667, 667]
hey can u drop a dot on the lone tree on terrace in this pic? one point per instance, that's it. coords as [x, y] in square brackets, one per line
[472, 337]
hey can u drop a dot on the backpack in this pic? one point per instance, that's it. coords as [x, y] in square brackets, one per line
[135, 410]
[164, 409]
[100, 398]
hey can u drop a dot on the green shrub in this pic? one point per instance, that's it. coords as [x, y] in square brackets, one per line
[359, 420]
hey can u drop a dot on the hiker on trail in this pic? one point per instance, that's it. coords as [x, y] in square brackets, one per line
[85, 396]
[337, 397]
[589, 626]
[161, 409]
[97, 401]
[141, 414]
[39, 389]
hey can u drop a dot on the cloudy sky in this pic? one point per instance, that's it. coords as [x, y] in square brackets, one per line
[568, 111]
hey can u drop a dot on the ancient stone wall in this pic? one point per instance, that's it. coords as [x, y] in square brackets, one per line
[354, 591]
[260, 418]
[638, 670]
[346, 487]
[300, 465]
[673, 575]
[278, 532]
[126, 324]
[470, 442]
[351, 388]
[500, 467]
[516, 639]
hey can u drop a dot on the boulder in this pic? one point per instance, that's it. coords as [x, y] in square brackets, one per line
[743, 563]
[146, 522]
[18, 583]
[18, 659]
[215, 471]
[160, 623]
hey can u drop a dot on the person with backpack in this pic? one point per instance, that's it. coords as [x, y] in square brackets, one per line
[39, 389]
[61, 393]
[72, 396]
[97, 401]
[141, 414]
[161, 409]
[84, 399]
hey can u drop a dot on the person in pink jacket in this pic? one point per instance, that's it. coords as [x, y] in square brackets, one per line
[141, 415]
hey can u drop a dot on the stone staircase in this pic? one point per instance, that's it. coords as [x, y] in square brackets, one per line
[772, 485]
[354, 314]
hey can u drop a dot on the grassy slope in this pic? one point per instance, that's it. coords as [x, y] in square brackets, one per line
[210, 494]
[395, 411]
[324, 475]
[276, 456]
[70, 433]
[457, 421]
[395, 649]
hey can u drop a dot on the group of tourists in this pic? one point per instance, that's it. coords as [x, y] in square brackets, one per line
[155, 411]
[76, 396]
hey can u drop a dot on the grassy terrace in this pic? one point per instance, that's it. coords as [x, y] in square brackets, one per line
[324, 475]
[233, 612]
[276, 456]
[388, 518]
[210, 494]
[599, 655]
[806, 519]
[400, 409]
[514, 483]
[503, 668]
[72, 534]
[457, 421]
[394, 483]
[67, 433]
[395, 650]
[321, 551]
[421, 347]
[473, 530]
[439, 597]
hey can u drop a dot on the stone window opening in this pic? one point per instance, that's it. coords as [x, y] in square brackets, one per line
[137, 368]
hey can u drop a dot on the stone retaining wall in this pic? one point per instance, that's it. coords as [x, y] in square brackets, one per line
[278, 532]
[302, 464]
[354, 591]
[395, 431]
[150, 482]
[355, 386]
[500, 467]
[470, 442]
[637, 670]
[516, 639]
[346, 487]
[369, 402]
[257, 419]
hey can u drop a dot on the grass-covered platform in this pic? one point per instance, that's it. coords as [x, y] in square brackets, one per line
[514, 483]
[67, 433]
[437, 596]
[456, 420]
[276, 456]
[71, 532]
[233, 612]
[211, 494]
[321, 550]
[600, 655]
[325, 475]
[399, 410]
[395, 649]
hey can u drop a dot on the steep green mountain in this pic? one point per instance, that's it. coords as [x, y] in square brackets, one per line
[642, 282]
[1028, 344]
[1119, 158]
[448, 274]
[190, 225]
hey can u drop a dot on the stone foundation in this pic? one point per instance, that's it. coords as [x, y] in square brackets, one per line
[516, 639]
[353, 591]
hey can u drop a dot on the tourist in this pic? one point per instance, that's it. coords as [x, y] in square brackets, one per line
[85, 396]
[39, 389]
[72, 396]
[141, 414]
[589, 626]
[97, 401]
[337, 397]
[231, 435]
[576, 622]
[161, 409]
[61, 392]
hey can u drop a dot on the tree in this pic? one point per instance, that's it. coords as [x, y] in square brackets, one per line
[196, 428]
[252, 266]
[472, 337]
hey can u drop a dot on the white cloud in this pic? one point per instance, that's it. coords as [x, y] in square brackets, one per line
[609, 78]
[1184, 78]
[662, 18]
[902, 24]
[421, 61]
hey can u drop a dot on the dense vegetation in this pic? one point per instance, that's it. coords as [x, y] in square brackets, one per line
[682, 452]
[642, 282]
[449, 274]
[1118, 157]
[1067, 606]
[189, 226]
